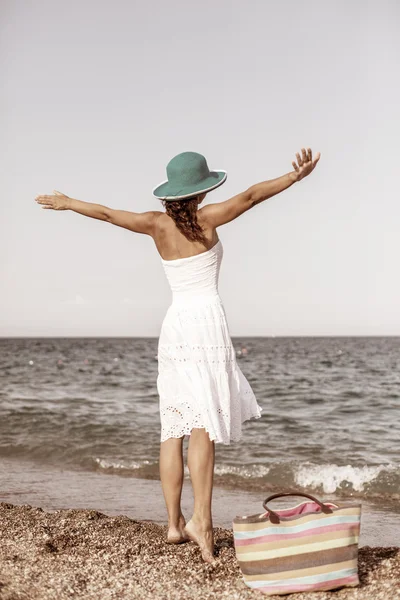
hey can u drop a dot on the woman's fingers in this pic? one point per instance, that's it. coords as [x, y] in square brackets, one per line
[45, 201]
[306, 156]
[306, 163]
[57, 201]
[316, 159]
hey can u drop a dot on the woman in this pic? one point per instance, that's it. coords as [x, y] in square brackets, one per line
[203, 393]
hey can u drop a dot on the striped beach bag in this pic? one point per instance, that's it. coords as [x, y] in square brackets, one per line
[310, 547]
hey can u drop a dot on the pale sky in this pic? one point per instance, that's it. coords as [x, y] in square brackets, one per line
[98, 96]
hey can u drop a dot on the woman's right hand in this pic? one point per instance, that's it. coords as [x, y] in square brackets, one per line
[305, 164]
[58, 201]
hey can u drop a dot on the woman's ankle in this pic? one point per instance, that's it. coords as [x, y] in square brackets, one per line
[177, 521]
[203, 522]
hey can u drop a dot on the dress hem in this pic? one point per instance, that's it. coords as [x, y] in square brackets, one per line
[188, 431]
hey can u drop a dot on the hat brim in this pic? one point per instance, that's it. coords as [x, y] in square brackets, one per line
[166, 191]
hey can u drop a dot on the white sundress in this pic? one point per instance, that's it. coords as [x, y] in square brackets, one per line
[199, 381]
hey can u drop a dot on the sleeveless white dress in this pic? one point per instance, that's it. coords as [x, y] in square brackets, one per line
[199, 381]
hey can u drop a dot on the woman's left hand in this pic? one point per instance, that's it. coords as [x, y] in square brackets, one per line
[306, 163]
[58, 201]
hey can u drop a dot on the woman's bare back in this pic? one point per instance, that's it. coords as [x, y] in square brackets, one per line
[172, 244]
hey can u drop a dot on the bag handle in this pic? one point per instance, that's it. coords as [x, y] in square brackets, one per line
[274, 517]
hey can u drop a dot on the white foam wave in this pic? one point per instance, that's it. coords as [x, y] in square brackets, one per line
[123, 465]
[247, 471]
[330, 477]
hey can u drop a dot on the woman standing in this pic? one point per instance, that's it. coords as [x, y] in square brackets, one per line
[203, 392]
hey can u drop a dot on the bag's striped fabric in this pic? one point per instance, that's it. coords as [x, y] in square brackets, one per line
[307, 551]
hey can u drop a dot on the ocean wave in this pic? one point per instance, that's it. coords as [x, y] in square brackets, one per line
[368, 481]
[145, 469]
[364, 481]
[332, 478]
[245, 471]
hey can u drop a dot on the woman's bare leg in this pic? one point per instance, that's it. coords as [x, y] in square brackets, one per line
[171, 475]
[201, 460]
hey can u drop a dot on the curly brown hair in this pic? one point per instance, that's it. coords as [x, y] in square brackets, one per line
[184, 214]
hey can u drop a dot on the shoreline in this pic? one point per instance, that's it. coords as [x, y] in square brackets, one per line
[52, 488]
[84, 553]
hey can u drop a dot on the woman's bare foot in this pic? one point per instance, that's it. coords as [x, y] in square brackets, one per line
[204, 537]
[176, 535]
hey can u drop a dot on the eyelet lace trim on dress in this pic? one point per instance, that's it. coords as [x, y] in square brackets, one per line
[180, 415]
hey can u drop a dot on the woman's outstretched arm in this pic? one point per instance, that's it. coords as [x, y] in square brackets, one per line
[137, 222]
[223, 212]
[266, 189]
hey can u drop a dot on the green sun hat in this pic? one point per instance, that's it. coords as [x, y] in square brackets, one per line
[188, 175]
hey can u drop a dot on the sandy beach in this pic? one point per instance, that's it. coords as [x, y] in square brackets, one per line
[83, 553]
[82, 513]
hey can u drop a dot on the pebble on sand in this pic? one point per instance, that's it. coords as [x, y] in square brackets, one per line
[86, 554]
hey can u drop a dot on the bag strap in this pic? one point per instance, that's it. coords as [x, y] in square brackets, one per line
[274, 517]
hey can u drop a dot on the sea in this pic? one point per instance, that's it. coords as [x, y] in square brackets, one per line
[80, 425]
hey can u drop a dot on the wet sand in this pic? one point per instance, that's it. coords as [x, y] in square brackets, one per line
[83, 553]
[51, 488]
